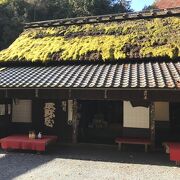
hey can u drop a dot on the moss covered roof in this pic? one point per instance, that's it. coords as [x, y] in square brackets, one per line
[158, 37]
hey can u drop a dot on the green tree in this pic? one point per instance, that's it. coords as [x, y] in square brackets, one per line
[98, 7]
[121, 6]
[13, 13]
[153, 6]
[2, 2]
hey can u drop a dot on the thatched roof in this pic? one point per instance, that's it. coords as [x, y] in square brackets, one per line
[162, 4]
[139, 38]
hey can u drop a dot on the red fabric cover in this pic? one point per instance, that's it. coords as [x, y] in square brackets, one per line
[132, 140]
[23, 142]
[174, 149]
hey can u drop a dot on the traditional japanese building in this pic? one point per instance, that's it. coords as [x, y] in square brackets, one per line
[162, 4]
[92, 79]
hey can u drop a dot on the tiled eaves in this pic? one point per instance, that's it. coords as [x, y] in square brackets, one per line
[161, 75]
[155, 13]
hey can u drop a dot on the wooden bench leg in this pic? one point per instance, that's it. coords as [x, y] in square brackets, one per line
[38, 152]
[146, 147]
[119, 146]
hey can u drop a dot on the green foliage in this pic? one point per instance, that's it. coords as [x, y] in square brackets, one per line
[150, 7]
[12, 14]
[2, 2]
[128, 39]
[98, 7]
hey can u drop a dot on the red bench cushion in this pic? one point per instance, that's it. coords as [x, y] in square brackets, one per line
[23, 142]
[174, 149]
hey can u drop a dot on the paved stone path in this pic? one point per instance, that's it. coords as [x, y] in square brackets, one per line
[87, 162]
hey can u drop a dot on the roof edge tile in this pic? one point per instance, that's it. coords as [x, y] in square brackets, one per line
[106, 18]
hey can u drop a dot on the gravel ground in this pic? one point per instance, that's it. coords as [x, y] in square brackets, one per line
[87, 162]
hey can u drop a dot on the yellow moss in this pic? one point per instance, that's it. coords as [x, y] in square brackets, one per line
[159, 51]
[155, 37]
[2, 2]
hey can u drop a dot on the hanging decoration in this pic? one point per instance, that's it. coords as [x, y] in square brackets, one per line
[49, 114]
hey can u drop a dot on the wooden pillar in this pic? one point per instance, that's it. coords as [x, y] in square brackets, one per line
[6, 109]
[152, 124]
[75, 122]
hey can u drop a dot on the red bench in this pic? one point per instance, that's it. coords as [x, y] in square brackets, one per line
[173, 148]
[128, 140]
[24, 143]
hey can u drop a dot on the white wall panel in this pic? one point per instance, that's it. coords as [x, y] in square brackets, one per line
[135, 117]
[70, 110]
[22, 111]
[162, 111]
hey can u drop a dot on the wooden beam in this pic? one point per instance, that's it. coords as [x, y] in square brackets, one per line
[87, 94]
[20, 93]
[164, 95]
[94, 94]
[53, 94]
[127, 95]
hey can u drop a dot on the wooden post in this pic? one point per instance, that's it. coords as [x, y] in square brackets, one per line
[152, 124]
[75, 122]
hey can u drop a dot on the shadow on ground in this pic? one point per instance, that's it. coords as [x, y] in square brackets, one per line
[130, 154]
[16, 163]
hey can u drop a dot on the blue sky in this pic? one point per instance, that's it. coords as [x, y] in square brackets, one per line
[138, 5]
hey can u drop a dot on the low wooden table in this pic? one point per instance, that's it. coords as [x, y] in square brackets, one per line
[173, 148]
[128, 140]
[23, 142]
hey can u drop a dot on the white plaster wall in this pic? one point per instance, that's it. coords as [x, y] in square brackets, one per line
[135, 117]
[22, 111]
[162, 111]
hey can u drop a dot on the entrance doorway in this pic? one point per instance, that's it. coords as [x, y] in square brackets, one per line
[100, 122]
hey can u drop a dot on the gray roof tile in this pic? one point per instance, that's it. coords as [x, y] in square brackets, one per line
[127, 75]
